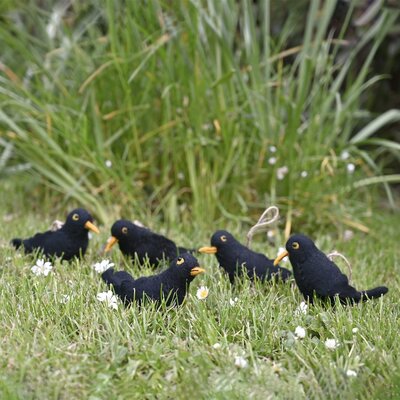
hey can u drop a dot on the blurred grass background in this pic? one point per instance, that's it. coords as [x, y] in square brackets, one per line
[197, 111]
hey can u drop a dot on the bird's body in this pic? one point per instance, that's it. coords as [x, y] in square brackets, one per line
[134, 240]
[171, 284]
[316, 275]
[237, 259]
[71, 240]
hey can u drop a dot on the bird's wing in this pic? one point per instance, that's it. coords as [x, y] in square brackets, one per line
[40, 240]
[328, 278]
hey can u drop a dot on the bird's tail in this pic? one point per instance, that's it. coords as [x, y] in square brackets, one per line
[16, 243]
[374, 293]
[116, 278]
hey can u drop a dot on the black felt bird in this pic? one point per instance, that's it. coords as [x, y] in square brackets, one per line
[71, 240]
[133, 239]
[236, 258]
[171, 284]
[316, 275]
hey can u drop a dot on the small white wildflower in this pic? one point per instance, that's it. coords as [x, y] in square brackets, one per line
[272, 149]
[65, 298]
[108, 163]
[281, 172]
[202, 292]
[348, 234]
[350, 168]
[109, 298]
[351, 373]
[270, 234]
[272, 160]
[241, 362]
[345, 155]
[217, 346]
[42, 268]
[233, 302]
[280, 251]
[304, 174]
[102, 266]
[302, 308]
[300, 332]
[354, 330]
[331, 344]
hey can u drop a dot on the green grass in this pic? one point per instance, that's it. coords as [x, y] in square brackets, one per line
[82, 349]
[186, 98]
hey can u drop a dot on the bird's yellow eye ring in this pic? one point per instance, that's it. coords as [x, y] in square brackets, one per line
[75, 217]
[223, 238]
[180, 261]
[124, 230]
[295, 245]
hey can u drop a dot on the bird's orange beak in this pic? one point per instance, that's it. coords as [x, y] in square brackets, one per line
[196, 271]
[281, 257]
[91, 227]
[110, 243]
[208, 250]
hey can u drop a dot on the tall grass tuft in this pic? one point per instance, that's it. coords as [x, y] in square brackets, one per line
[176, 109]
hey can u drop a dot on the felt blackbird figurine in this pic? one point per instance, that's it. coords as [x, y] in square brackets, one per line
[71, 240]
[233, 256]
[316, 274]
[171, 284]
[142, 241]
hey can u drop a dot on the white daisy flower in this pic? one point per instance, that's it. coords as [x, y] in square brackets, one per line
[304, 174]
[272, 149]
[350, 168]
[302, 308]
[344, 155]
[42, 268]
[272, 160]
[270, 234]
[348, 234]
[300, 332]
[281, 172]
[102, 266]
[65, 298]
[108, 163]
[232, 302]
[331, 344]
[241, 362]
[202, 292]
[354, 330]
[217, 346]
[109, 298]
[351, 373]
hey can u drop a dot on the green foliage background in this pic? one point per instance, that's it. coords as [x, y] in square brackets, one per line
[186, 99]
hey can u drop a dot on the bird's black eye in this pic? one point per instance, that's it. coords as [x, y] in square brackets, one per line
[124, 230]
[75, 217]
[180, 261]
[295, 245]
[223, 238]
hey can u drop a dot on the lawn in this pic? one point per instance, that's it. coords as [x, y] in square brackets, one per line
[75, 348]
[193, 116]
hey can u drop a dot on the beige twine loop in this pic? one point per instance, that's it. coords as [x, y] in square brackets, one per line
[337, 254]
[263, 222]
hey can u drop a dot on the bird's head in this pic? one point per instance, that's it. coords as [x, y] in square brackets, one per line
[298, 248]
[220, 241]
[121, 231]
[186, 267]
[79, 220]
